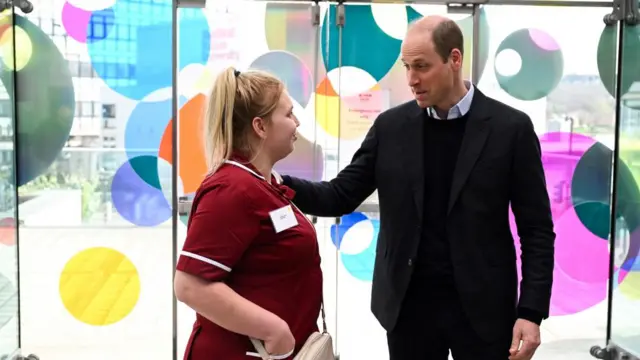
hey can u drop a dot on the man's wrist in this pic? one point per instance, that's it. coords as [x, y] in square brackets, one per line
[530, 315]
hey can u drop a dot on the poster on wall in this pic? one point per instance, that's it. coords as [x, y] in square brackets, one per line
[357, 115]
[225, 46]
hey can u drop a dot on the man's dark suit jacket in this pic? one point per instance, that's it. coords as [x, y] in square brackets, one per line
[499, 164]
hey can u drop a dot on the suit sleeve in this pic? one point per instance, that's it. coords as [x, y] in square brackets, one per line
[347, 191]
[532, 211]
[222, 227]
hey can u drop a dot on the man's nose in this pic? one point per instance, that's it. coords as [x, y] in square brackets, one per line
[413, 80]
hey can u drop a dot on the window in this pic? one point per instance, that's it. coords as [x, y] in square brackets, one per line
[86, 109]
[108, 111]
[5, 108]
[80, 69]
[86, 71]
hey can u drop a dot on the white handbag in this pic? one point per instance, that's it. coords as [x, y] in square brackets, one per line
[319, 346]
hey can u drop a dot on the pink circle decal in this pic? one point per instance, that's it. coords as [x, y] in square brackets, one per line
[8, 231]
[75, 22]
[580, 254]
[568, 295]
[581, 258]
[543, 40]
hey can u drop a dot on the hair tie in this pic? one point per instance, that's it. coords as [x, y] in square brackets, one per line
[236, 73]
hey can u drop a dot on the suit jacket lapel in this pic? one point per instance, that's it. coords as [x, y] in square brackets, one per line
[473, 141]
[413, 155]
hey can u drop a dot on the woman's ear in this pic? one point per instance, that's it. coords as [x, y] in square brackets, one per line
[259, 126]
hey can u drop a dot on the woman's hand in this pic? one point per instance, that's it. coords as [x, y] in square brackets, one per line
[280, 341]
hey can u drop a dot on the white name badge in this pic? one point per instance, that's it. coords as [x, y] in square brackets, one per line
[283, 218]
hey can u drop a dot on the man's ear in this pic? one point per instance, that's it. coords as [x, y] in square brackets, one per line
[456, 58]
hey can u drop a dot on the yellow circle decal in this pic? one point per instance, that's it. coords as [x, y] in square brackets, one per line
[23, 48]
[630, 286]
[99, 286]
[349, 117]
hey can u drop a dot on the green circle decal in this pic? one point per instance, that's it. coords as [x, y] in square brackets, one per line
[540, 64]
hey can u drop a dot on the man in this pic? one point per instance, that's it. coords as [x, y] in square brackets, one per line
[446, 167]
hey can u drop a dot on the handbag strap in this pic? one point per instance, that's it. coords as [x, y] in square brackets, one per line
[324, 318]
[262, 351]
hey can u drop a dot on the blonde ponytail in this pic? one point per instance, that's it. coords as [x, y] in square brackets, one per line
[235, 100]
[218, 122]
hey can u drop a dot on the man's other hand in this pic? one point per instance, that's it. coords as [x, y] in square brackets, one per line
[526, 339]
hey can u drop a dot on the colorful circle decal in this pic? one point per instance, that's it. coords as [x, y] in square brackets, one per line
[291, 71]
[143, 136]
[137, 193]
[8, 231]
[591, 188]
[99, 286]
[140, 58]
[348, 115]
[288, 27]
[356, 237]
[15, 57]
[529, 64]
[191, 146]
[85, 25]
[47, 109]
[607, 59]
[356, 40]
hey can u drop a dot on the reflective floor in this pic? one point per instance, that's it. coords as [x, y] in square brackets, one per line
[60, 336]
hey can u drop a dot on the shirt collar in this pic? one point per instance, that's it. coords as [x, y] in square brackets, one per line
[459, 109]
[242, 162]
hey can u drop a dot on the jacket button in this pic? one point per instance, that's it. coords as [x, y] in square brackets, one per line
[410, 262]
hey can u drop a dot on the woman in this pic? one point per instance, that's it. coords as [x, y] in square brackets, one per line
[250, 265]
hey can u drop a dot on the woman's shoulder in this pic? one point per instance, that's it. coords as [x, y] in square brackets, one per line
[229, 184]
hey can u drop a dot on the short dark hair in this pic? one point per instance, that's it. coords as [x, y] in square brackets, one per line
[447, 36]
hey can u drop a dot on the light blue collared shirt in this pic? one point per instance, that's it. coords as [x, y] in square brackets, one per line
[459, 109]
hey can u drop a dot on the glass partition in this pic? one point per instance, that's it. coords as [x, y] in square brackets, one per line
[367, 80]
[279, 37]
[88, 86]
[563, 77]
[625, 307]
[9, 265]
[95, 95]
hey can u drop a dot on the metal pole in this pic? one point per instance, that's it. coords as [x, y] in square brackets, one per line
[16, 165]
[340, 22]
[475, 47]
[174, 169]
[614, 177]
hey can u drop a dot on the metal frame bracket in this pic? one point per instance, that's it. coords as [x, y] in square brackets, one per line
[195, 4]
[24, 5]
[315, 14]
[466, 7]
[616, 13]
[623, 10]
[611, 352]
[631, 13]
[341, 16]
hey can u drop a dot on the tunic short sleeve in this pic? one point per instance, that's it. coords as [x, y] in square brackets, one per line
[222, 226]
